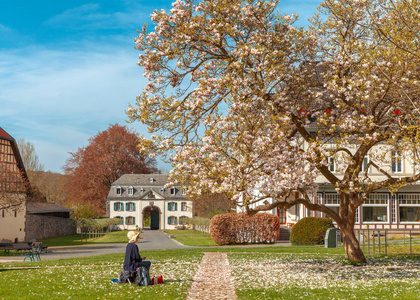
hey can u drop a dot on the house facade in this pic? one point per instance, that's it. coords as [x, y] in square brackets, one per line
[143, 201]
[13, 189]
[382, 209]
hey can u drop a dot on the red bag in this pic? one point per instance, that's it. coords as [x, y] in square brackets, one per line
[157, 280]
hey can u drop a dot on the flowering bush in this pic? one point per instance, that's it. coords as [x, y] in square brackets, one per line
[233, 228]
[310, 231]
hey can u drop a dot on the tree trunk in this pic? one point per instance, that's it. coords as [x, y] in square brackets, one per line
[351, 245]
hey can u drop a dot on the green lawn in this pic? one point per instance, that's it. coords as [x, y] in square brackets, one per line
[259, 273]
[119, 236]
[89, 278]
[192, 237]
[270, 272]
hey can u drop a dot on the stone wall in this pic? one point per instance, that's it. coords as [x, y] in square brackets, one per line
[40, 227]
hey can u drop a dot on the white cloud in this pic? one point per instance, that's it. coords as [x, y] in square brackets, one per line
[4, 28]
[57, 99]
[91, 16]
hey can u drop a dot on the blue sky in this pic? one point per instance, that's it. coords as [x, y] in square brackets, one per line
[68, 69]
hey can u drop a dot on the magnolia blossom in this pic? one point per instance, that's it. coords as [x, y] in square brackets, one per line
[252, 103]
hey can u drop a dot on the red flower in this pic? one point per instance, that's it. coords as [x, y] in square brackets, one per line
[302, 112]
[397, 112]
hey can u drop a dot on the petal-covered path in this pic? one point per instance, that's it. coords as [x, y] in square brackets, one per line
[213, 279]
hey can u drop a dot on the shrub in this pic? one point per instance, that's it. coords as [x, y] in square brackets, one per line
[310, 231]
[239, 228]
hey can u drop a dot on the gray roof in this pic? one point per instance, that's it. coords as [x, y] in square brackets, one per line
[142, 179]
[142, 185]
[45, 207]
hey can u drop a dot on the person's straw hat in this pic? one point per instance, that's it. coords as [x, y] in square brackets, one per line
[132, 235]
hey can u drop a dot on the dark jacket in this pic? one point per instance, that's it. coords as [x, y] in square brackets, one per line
[132, 257]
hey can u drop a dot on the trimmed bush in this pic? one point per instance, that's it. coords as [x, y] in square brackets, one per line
[239, 228]
[310, 231]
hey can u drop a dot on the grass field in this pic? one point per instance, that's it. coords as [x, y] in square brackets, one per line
[192, 237]
[272, 272]
[75, 239]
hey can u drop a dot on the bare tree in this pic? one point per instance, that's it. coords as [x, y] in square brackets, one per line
[29, 157]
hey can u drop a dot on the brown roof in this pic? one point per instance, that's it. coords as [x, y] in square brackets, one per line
[5, 135]
[45, 207]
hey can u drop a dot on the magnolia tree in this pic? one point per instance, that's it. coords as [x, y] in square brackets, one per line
[397, 22]
[248, 102]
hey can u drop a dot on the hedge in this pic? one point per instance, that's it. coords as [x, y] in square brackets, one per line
[310, 231]
[239, 228]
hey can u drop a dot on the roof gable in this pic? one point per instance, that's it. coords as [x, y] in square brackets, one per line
[152, 195]
[8, 141]
[5, 135]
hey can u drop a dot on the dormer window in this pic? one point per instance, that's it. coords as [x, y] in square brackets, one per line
[173, 191]
[130, 190]
[331, 164]
[142, 190]
[162, 190]
[184, 190]
[118, 191]
[396, 160]
[151, 179]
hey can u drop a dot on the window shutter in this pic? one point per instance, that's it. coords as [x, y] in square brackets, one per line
[169, 206]
[121, 206]
[176, 221]
[134, 220]
[126, 221]
[126, 207]
[134, 206]
[122, 220]
[115, 206]
[176, 206]
[169, 220]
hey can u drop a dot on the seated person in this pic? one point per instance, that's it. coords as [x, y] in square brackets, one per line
[132, 260]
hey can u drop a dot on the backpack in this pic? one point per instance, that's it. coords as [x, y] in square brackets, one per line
[127, 276]
[142, 277]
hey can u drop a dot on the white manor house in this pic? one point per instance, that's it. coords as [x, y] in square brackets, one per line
[142, 201]
[382, 209]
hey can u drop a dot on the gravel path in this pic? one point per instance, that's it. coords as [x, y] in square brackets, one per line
[213, 279]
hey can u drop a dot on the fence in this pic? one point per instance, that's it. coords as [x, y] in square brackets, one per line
[386, 241]
[202, 228]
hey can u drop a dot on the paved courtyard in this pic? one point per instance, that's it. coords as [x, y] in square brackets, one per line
[151, 240]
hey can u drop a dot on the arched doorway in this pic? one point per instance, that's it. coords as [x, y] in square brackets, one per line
[151, 216]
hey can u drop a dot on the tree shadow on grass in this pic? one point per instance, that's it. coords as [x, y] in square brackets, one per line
[176, 280]
[18, 269]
